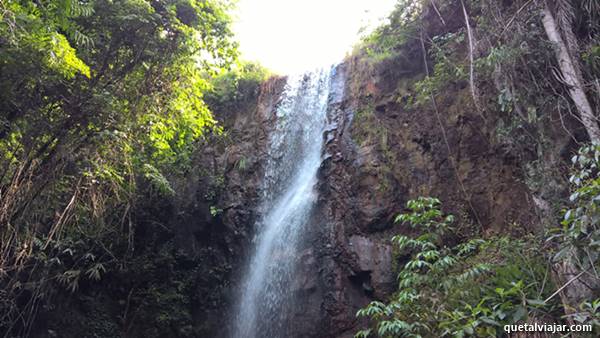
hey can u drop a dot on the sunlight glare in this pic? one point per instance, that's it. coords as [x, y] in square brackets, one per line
[290, 36]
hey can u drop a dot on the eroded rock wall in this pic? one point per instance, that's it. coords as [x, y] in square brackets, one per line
[379, 153]
[216, 211]
[364, 182]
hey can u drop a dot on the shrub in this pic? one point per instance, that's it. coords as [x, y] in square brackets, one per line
[472, 288]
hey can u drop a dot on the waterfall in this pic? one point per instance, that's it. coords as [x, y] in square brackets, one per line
[288, 197]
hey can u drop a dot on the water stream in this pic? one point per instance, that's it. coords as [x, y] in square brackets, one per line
[294, 156]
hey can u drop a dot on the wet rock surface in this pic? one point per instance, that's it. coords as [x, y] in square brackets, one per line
[217, 213]
[364, 185]
[364, 182]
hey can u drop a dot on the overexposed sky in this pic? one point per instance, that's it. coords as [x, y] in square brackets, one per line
[291, 36]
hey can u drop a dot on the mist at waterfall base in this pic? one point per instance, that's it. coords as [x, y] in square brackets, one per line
[288, 197]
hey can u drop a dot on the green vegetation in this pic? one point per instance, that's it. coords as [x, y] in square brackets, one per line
[471, 288]
[479, 285]
[388, 40]
[503, 56]
[236, 86]
[101, 109]
[507, 73]
[106, 104]
[580, 232]
[578, 239]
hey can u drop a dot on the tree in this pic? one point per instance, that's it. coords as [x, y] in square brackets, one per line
[95, 97]
[569, 67]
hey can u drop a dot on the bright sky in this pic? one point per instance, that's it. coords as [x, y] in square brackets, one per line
[290, 36]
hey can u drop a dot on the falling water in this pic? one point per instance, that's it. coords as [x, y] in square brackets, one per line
[288, 198]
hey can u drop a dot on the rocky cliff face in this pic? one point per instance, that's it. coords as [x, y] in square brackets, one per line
[364, 183]
[215, 208]
[379, 153]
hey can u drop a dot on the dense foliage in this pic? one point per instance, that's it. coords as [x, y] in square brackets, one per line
[578, 237]
[507, 66]
[100, 103]
[580, 232]
[472, 288]
[104, 104]
[500, 54]
[235, 87]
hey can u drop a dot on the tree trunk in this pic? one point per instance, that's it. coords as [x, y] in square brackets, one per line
[569, 71]
[474, 91]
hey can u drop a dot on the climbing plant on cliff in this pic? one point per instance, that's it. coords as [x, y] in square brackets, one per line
[100, 103]
[471, 288]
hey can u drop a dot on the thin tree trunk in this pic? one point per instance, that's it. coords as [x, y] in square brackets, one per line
[471, 59]
[575, 290]
[569, 72]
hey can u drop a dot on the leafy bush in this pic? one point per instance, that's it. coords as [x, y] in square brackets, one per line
[99, 101]
[448, 67]
[234, 86]
[387, 40]
[472, 288]
[580, 232]
[578, 239]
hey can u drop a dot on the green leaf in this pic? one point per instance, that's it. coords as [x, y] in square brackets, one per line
[519, 314]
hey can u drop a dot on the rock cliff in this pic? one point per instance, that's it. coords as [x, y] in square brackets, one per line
[378, 155]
